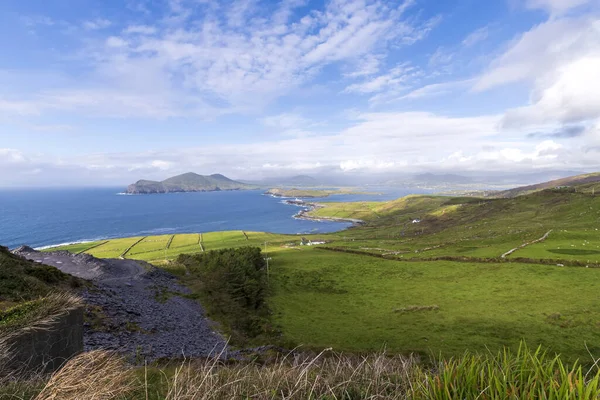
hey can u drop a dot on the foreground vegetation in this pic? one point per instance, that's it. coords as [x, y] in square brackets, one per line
[524, 374]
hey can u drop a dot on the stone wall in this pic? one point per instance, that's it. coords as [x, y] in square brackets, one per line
[46, 348]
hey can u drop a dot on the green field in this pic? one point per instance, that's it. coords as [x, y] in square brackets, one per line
[566, 244]
[79, 247]
[361, 303]
[113, 248]
[185, 240]
[154, 248]
[441, 285]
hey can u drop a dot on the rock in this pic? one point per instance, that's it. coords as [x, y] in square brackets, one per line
[23, 250]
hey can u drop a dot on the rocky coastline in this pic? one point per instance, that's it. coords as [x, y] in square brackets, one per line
[308, 207]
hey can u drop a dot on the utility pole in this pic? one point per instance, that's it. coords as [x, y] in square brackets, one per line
[268, 272]
[267, 258]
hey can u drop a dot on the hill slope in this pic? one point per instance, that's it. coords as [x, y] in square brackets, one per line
[571, 181]
[189, 182]
[21, 279]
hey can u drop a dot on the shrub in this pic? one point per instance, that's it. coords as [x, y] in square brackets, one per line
[46, 273]
[233, 287]
[21, 279]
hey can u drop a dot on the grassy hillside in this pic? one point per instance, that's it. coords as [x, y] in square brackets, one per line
[466, 227]
[569, 182]
[22, 280]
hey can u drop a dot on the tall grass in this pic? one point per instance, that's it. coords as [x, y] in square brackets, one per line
[524, 374]
[96, 375]
[320, 377]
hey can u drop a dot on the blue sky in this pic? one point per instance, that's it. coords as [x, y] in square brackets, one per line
[107, 92]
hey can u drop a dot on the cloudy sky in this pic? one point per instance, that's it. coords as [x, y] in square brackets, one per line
[109, 91]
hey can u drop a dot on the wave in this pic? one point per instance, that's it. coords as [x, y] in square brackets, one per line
[68, 243]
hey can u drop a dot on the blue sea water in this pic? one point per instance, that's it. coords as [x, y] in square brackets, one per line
[44, 217]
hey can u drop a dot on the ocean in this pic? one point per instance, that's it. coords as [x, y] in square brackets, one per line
[45, 217]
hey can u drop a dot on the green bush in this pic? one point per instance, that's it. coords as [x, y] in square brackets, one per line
[46, 273]
[233, 287]
[22, 279]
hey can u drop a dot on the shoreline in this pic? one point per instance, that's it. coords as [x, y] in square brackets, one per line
[83, 241]
[308, 207]
[314, 193]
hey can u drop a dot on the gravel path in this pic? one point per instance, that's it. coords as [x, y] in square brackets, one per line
[135, 308]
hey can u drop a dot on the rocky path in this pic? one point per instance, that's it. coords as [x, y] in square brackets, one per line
[136, 309]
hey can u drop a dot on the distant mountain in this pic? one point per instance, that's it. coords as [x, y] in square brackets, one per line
[301, 180]
[442, 179]
[189, 182]
[571, 181]
[296, 181]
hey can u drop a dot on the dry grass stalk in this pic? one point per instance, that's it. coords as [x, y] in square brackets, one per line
[41, 317]
[96, 375]
[325, 376]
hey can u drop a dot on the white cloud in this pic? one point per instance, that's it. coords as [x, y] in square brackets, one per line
[559, 60]
[37, 20]
[369, 164]
[396, 76]
[441, 57]
[376, 143]
[542, 50]
[115, 42]
[285, 121]
[556, 6]
[204, 59]
[11, 156]
[476, 37]
[12, 107]
[365, 66]
[234, 59]
[140, 30]
[571, 94]
[547, 154]
[96, 24]
[436, 89]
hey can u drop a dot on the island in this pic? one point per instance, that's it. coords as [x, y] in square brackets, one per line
[311, 193]
[189, 182]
